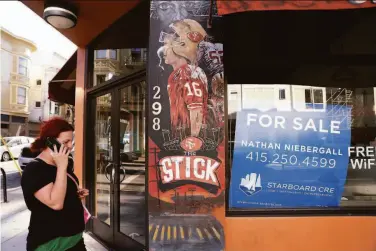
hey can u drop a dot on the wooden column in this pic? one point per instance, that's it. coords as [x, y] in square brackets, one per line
[80, 113]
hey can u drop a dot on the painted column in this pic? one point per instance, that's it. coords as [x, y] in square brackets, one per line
[80, 113]
[186, 128]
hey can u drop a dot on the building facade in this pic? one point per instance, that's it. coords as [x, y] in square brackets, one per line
[252, 125]
[45, 65]
[117, 62]
[15, 83]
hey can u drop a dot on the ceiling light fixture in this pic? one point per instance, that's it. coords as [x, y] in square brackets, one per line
[60, 15]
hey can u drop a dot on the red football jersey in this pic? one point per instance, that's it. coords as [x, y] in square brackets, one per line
[188, 90]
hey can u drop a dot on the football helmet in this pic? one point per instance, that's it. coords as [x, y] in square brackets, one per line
[188, 34]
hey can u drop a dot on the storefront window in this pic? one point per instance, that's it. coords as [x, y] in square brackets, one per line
[312, 149]
[118, 63]
[301, 115]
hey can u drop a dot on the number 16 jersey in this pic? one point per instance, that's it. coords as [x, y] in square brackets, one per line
[187, 90]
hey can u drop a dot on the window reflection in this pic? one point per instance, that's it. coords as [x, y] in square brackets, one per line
[360, 185]
[117, 62]
[103, 157]
[132, 158]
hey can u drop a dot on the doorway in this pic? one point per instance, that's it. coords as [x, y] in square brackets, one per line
[116, 160]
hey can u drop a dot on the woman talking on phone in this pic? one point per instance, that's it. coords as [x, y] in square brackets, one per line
[52, 194]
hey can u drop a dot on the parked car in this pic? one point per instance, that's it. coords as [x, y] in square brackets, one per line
[14, 146]
[26, 156]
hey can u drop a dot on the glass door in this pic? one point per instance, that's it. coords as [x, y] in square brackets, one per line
[117, 153]
[130, 186]
[103, 172]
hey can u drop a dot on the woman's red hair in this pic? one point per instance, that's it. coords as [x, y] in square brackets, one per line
[51, 128]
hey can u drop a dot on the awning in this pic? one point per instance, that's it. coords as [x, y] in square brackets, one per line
[233, 6]
[62, 88]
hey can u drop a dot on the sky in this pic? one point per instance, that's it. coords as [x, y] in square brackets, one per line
[23, 22]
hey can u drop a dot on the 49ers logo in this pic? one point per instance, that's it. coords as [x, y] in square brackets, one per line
[195, 36]
[191, 144]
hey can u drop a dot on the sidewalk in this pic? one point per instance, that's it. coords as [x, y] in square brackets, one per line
[15, 221]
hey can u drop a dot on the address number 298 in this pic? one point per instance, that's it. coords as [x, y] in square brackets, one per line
[156, 108]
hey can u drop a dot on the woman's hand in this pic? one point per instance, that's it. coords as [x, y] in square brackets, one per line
[61, 157]
[82, 193]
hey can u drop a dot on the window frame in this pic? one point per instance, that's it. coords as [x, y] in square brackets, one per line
[281, 212]
[313, 102]
[18, 95]
[20, 65]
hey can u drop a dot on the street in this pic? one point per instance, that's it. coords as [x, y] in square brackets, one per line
[15, 216]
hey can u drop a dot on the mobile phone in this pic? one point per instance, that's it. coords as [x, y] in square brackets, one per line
[50, 142]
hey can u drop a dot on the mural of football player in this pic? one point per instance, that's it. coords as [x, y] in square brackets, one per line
[183, 83]
[187, 42]
[210, 58]
[191, 37]
[187, 88]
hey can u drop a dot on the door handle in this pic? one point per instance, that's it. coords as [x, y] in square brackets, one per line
[109, 172]
[122, 174]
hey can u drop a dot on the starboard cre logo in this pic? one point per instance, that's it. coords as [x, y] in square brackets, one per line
[251, 184]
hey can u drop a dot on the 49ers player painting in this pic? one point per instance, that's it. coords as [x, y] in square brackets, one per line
[186, 166]
[187, 84]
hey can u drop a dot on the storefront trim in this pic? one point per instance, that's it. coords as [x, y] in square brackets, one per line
[292, 212]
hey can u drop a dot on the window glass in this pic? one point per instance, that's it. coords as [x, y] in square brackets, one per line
[18, 119]
[113, 54]
[127, 61]
[101, 78]
[99, 54]
[4, 117]
[308, 96]
[21, 96]
[37, 104]
[311, 146]
[318, 96]
[14, 143]
[6, 140]
[288, 149]
[57, 109]
[22, 66]
[282, 94]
